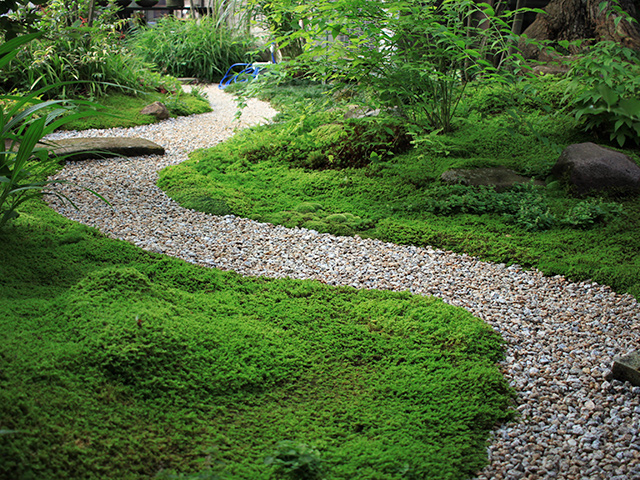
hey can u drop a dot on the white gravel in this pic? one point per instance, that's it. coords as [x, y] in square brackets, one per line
[561, 336]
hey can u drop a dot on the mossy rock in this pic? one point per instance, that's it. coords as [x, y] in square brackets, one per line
[499, 177]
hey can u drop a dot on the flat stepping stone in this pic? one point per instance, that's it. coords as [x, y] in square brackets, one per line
[499, 177]
[84, 148]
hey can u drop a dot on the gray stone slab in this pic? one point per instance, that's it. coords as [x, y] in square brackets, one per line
[87, 148]
[499, 177]
[627, 368]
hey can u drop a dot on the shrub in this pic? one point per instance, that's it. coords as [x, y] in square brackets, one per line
[604, 90]
[75, 59]
[422, 57]
[203, 48]
[24, 161]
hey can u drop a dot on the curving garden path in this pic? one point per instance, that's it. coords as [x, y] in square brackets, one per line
[561, 336]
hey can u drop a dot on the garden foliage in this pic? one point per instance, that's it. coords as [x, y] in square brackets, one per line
[203, 48]
[77, 59]
[24, 121]
[604, 92]
[120, 363]
[17, 17]
[411, 55]
[259, 174]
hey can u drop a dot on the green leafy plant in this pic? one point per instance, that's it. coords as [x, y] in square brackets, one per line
[281, 19]
[587, 213]
[296, 460]
[410, 55]
[534, 218]
[80, 55]
[202, 48]
[604, 90]
[82, 61]
[24, 161]
[18, 17]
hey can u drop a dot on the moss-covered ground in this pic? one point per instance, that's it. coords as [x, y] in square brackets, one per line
[118, 363]
[120, 110]
[314, 169]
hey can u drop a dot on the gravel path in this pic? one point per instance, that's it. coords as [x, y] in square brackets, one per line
[561, 336]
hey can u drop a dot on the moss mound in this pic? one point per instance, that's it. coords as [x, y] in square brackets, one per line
[130, 363]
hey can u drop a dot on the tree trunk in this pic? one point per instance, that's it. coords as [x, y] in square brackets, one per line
[92, 6]
[582, 20]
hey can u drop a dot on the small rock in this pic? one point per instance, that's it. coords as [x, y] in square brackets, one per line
[157, 109]
[627, 368]
[499, 177]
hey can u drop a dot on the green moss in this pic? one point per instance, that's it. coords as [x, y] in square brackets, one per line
[308, 207]
[124, 110]
[118, 363]
[400, 198]
[336, 218]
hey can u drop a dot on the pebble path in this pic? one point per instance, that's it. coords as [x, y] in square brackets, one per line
[561, 336]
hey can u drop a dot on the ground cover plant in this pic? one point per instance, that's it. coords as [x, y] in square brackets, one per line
[121, 363]
[282, 174]
[120, 110]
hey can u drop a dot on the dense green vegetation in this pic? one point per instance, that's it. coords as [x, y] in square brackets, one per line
[188, 48]
[120, 363]
[120, 110]
[307, 170]
[77, 59]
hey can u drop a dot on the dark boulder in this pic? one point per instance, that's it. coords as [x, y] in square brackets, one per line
[588, 167]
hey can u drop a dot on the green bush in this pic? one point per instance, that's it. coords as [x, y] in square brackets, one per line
[604, 92]
[75, 59]
[25, 162]
[204, 48]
